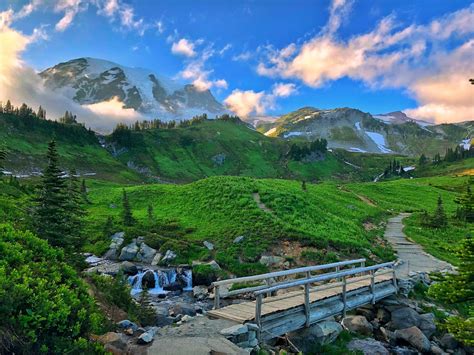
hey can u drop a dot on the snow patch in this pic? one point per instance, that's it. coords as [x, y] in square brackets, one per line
[357, 126]
[379, 140]
[356, 150]
[293, 134]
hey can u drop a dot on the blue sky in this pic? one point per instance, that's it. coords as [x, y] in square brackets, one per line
[382, 55]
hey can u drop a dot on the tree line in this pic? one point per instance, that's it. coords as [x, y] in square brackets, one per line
[299, 151]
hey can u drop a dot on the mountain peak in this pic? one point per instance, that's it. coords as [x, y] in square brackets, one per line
[92, 80]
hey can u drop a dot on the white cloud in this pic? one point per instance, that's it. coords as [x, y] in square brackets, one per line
[242, 57]
[284, 90]
[70, 8]
[243, 103]
[114, 108]
[411, 57]
[183, 47]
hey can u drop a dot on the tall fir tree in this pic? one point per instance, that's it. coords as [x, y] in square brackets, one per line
[50, 212]
[439, 219]
[465, 201]
[150, 213]
[85, 197]
[3, 157]
[128, 219]
[74, 210]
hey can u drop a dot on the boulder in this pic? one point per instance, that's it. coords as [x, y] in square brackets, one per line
[214, 265]
[129, 268]
[448, 342]
[147, 337]
[129, 252]
[238, 239]
[436, 350]
[357, 324]
[208, 245]
[404, 317]
[367, 346]
[156, 259]
[148, 279]
[175, 286]
[383, 315]
[415, 337]
[318, 334]
[271, 260]
[169, 256]
[366, 311]
[145, 254]
[183, 309]
[104, 269]
[115, 343]
[234, 330]
[427, 324]
[115, 244]
[200, 292]
[125, 324]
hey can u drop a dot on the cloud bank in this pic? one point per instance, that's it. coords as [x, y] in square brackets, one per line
[433, 62]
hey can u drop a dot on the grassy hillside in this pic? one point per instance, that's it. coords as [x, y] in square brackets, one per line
[26, 139]
[323, 223]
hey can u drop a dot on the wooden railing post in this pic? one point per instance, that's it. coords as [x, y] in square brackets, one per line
[372, 285]
[337, 270]
[217, 300]
[344, 300]
[306, 300]
[394, 279]
[362, 264]
[258, 313]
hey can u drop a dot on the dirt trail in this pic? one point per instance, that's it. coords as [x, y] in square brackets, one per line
[411, 255]
[260, 204]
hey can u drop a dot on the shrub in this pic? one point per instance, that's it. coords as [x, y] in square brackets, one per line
[44, 305]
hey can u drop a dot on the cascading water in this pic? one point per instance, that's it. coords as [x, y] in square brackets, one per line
[162, 279]
[188, 276]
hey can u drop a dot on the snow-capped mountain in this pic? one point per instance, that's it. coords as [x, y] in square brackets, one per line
[358, 131]
[90, 81]
[399, 117]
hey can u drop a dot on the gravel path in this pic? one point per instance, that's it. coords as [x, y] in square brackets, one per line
[411, 255]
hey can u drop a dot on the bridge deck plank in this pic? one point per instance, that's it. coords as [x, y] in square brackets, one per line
[245, 311]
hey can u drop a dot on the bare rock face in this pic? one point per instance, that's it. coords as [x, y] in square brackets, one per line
[407, 317]
[415, 337]
[357, 324]
[367, 346]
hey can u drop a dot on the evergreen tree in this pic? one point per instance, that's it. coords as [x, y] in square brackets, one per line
[303, 185]
[74, 210]
[150, 213]
[41, 113]
[84, 191]
[50, 213]
[423, 160]
[3, 156]
[108, 227]
[128, 219]
[439, 219]
[465, 211]
[8, 107]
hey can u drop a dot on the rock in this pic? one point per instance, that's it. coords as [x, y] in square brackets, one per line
[183, 309]
[427, 324]
[145, 254]
[104, 269]
[115, 343]
[175, 286]
[367, 346]
[169, 256]
[200, 292]
[186, 318]
[238, 239]
[148, 279]
[436, 350]
[401, 350]
[234, 330]
[367, 312]
[415, 337]
[129, 252]
[271, 260]
[318, 334]
[357, 324]
[147, 337]
[115, 244]
[156, 259]
[129, 268]
[214, 265]
[386, 335]
[208, 245]
[383, 315]
[448, 342]
[196, 345]
[125, 324]
[405, 317]
[128, 331]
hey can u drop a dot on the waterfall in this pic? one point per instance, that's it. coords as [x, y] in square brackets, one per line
[158, 289]
[162, 279]
[136, 282]
[188, 276]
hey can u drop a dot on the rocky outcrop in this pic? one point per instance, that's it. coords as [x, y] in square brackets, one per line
[357, 324]
[115, 244]
[138, 251]
[367, 346]
[414, 337]
[318, 334]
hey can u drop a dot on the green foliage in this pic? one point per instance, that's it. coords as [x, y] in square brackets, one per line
[128, 219]
[44, 305]
[465, 201]
[458, 289]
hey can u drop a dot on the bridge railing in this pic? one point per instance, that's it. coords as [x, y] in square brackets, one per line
[344, 277]
[269, 282]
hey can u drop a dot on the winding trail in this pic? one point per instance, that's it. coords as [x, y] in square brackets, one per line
[411, 255]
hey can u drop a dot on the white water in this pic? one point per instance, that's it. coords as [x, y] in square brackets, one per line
[162, 279]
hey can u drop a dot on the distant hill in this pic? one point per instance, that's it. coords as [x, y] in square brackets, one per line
[357, 131]
[91, 80]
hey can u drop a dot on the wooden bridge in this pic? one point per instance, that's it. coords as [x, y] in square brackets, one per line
[278, 306]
